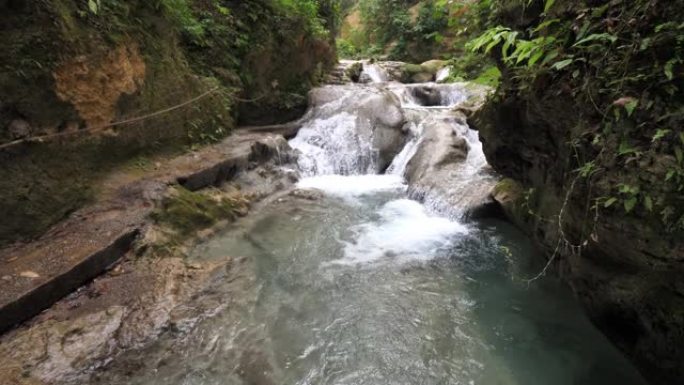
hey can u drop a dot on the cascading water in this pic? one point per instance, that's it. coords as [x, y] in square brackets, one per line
[443, 74]
[354, 283]
[375, 73]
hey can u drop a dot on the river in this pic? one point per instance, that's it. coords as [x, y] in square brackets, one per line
[363, 278]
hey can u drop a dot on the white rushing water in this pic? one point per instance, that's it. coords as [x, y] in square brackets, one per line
[399, 163]
[354, 186]
[375, 73]
[404, 232]
[443, 74]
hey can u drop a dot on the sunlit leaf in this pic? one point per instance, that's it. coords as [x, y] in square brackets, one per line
[610, 202]
[562, 64]
[548, 4]
[648, 203]
[92, 5]
[630, 203]
[597, 37]
[630, 106]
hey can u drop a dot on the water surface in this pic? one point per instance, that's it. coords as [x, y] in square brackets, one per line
[363, 286]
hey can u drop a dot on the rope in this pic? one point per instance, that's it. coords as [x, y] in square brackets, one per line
[102, 128]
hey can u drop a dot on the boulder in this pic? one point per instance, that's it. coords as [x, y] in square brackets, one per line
[442, 174]
[422, 77]
[361, 132]
[433, 66]
[19, 129]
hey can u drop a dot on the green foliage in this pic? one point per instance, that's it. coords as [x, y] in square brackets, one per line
[180, 12]
[489, 77]
[621, 63]
[307, 10]
[346, 49]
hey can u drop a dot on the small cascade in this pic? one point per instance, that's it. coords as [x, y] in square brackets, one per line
[443, 74]
[430, 95]
[346, 133]
[338, 75]
[398, 166]
[375, 73]
[333, 146]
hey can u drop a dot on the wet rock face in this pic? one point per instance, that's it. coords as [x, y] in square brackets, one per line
[441, 147]
[628, 275]
[427, 96]
[442, 157]
[355, 130]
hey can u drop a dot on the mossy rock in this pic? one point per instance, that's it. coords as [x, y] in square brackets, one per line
[433, 66]
[507, 190]
[354, 71]
[185, 212]
[411, 69]
[414, 73]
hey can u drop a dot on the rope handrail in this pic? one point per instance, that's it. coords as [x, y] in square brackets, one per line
[40, 138]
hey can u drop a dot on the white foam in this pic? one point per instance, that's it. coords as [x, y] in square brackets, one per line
[443, 74]
[401, 161]
[353, 186]
[404, 232]
[332, 146]
[375, 73]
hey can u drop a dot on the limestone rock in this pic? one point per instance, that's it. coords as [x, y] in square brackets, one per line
[441, 157]
[422, 77]
[432, 66]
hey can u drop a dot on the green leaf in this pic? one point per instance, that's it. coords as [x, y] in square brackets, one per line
[535, 58]
[670, 175]
[545, 24]
[679, 154]
[625, 148]
[630, 106]
[551, 55]
[93, 6]
[668, 69]
[596, 37]
[609, 202]
[648, 203]
[630, 203]
[562, 64]
[548, 4]
[660, 134]
[681, 137]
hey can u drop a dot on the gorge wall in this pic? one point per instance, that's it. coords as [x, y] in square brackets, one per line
[70, 69]
[592, 148]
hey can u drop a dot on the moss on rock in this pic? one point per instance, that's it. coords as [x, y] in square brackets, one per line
[185, 211]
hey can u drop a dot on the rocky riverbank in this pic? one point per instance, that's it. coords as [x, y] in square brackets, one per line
[136, 235]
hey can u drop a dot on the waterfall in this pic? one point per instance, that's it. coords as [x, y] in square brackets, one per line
[375, 73]
[443, 74]
[398, 166]
[333, 146]
[350, 127]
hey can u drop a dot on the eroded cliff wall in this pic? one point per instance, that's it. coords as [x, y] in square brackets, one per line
[70, 69]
